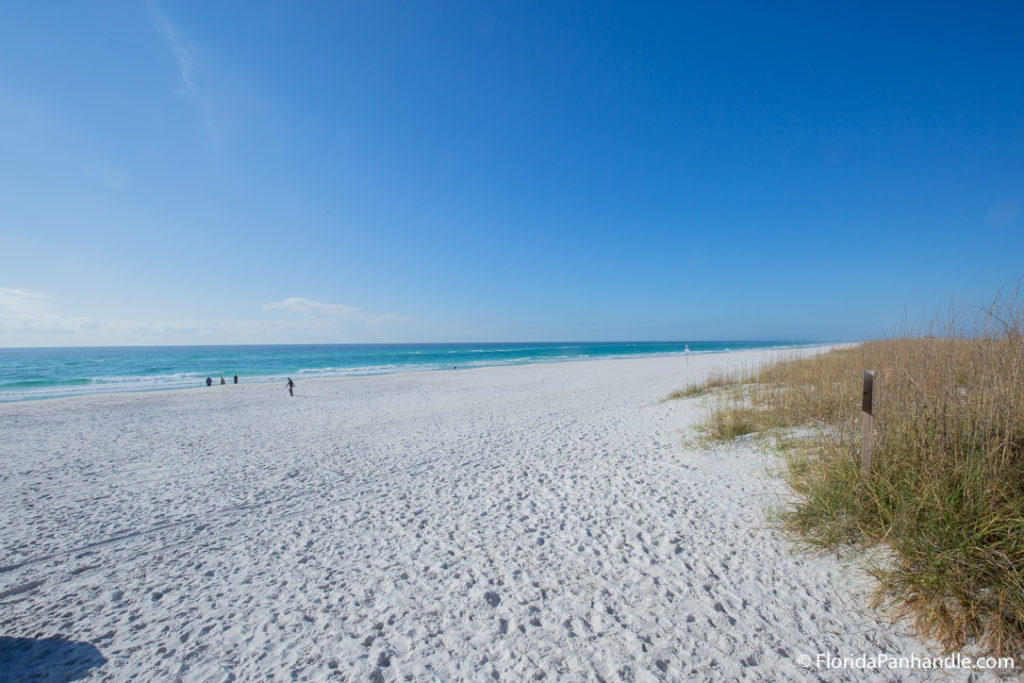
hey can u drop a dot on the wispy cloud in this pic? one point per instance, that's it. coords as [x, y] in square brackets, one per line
[29, 318]
[176, 44]
[19, 302]
[297, 304]
[209, 105]
[310, 307]
[24, 312]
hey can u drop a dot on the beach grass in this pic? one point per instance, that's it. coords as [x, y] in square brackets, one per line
[713, 381]
[943, 506]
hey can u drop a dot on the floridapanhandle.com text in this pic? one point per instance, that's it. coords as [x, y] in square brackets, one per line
[884, 660]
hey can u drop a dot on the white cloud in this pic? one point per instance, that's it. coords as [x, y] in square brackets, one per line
[24, 312]
[28, 319]
[297, 304]
[19, 302]
[132, 327]
[208, 105]
[184, 55]
[319, 309]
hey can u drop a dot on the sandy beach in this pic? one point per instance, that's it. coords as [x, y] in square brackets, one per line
[506, 523]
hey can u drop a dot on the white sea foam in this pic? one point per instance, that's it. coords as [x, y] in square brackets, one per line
[182, 380]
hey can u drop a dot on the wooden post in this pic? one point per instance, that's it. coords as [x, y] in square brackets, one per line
[865, 449]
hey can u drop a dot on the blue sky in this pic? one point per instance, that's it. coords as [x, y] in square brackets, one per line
[267, 172]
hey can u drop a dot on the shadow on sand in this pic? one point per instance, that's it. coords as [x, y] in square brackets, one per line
[46, 659]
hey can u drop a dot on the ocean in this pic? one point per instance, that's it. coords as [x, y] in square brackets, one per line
[36, 373]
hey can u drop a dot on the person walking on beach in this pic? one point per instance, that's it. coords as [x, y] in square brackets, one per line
[236, 379]
[291, 387]
[209, 381]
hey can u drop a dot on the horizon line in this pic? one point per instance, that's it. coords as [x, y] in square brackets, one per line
[438, 343]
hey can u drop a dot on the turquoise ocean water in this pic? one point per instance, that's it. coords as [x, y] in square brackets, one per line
[27, 374]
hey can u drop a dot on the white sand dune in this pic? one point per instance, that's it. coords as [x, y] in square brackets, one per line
[503, 523]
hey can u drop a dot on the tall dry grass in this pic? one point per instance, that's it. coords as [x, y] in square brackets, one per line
[945, 498]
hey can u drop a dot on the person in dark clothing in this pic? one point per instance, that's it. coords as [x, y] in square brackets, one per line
[291, 386]
[236, 379]
[209, 381]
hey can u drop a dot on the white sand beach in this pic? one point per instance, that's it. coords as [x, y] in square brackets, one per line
[507, 523]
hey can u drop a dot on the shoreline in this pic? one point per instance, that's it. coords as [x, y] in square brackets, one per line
[271, 379]
[516, 521]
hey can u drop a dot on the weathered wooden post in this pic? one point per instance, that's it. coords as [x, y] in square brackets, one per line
[865, 448]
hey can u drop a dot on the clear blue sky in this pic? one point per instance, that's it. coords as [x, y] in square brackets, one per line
[249, 172]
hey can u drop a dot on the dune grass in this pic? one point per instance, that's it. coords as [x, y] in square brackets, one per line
[945, 498]
[713, 381]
